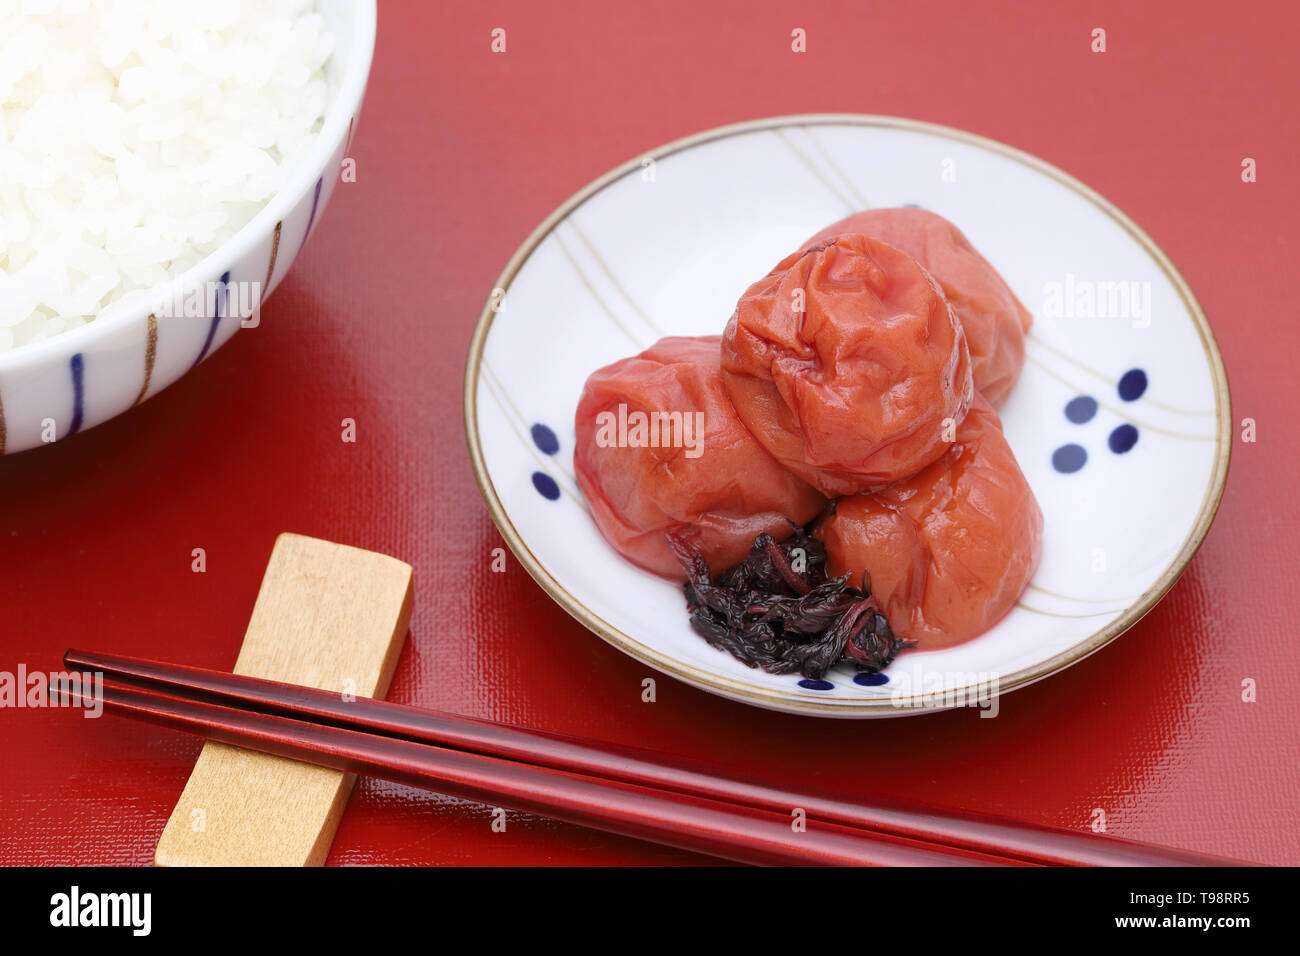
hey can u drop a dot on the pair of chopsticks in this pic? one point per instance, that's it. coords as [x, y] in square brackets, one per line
[597, 785]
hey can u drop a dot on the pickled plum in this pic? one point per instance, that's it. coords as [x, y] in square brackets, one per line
[992, 317]
[846, 363]
[660, 449]
[949, 551]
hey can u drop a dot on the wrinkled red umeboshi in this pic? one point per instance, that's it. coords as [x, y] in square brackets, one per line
[992, 317]
[847, 364]
[948, 551]
[660, 449]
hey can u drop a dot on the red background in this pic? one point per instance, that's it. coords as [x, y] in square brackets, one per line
[460, 153]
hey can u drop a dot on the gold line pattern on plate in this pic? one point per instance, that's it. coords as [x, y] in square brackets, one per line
[1062, 354]
[572, 223]
[803, 158]
[495, 382]
[862, 201]
[1078, 600]
[1039, 610]
[605, 307]
[788, 698]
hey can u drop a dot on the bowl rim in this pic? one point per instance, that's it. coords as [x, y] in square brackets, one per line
[884, 707]
[347, 101]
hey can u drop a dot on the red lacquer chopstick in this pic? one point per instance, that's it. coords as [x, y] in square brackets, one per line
[730, 831]
[1016, 842]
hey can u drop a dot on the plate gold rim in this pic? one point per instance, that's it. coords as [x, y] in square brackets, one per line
[806, 704]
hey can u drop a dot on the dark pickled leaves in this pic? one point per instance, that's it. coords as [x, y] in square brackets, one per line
[779, 610]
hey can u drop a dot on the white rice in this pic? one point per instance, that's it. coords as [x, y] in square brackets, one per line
[138, 135]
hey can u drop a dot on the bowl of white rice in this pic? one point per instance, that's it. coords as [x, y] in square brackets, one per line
[162, 164]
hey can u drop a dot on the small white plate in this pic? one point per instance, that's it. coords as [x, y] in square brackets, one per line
[1120, 420]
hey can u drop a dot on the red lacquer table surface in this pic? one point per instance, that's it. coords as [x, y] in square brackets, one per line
[460, 153]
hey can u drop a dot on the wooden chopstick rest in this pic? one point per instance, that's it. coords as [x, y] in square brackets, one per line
[328, 616]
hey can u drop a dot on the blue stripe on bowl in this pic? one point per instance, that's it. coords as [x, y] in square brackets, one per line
[311, 219]
[77, 366]
[216, 319]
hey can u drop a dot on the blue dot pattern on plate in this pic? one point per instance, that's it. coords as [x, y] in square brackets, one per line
[1132, 384]
[546, 486]
[1122, 439]
[870, 678]
[809, 684]
[1069, 458]
[545, 439]
[1081, 409]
